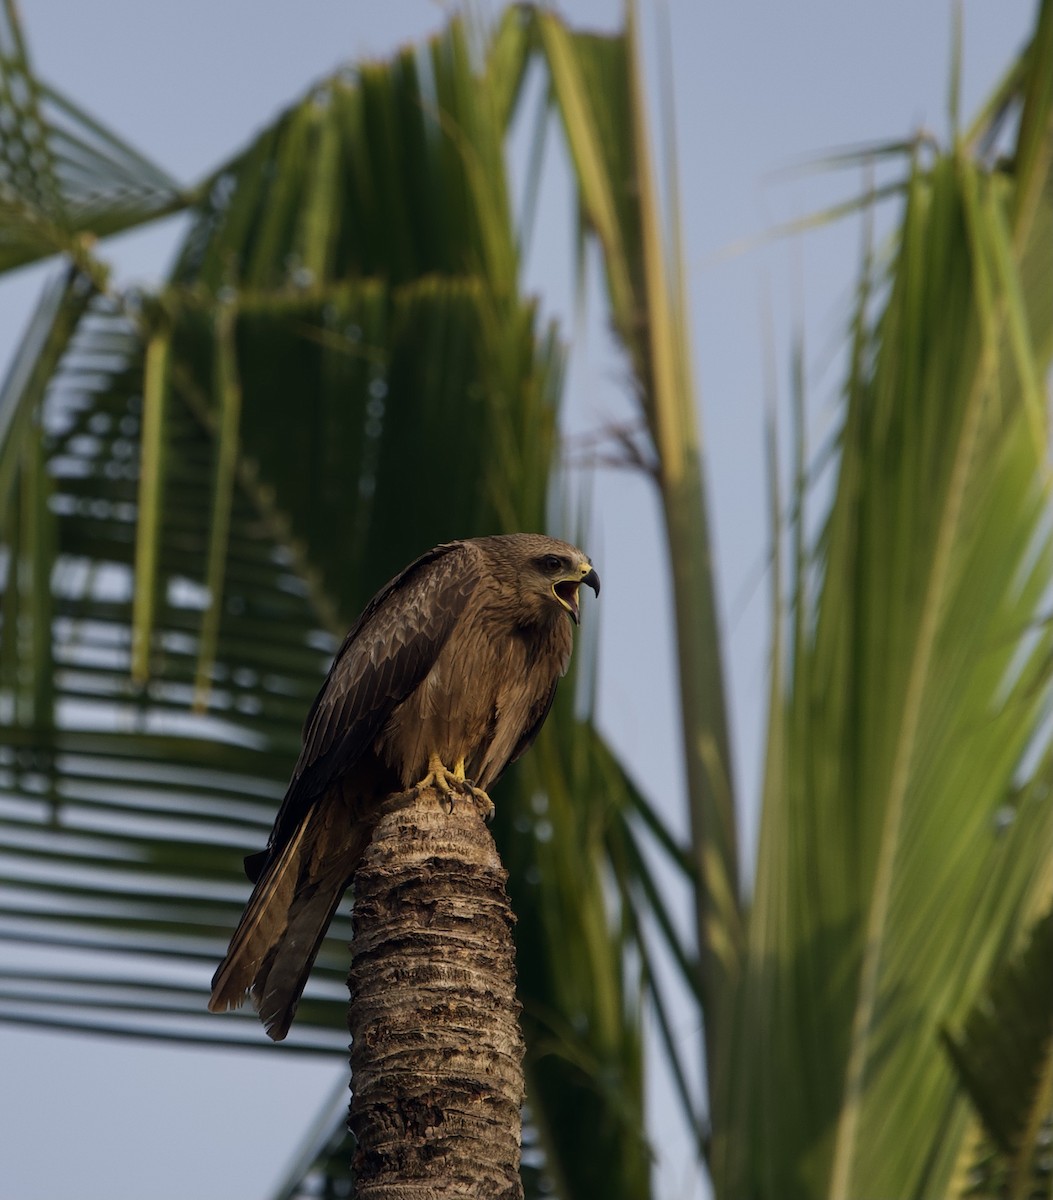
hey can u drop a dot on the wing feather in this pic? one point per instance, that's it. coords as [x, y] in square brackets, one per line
[385, 656]
[552, 665]
[533, 727]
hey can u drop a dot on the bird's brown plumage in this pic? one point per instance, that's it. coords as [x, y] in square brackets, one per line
[454, 662]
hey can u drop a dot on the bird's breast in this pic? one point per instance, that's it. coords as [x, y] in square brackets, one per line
[476, 701]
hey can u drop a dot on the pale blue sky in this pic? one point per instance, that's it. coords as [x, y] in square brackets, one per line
[757, 88]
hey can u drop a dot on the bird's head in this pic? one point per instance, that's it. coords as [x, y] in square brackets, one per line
[554, 571]
[545, 572]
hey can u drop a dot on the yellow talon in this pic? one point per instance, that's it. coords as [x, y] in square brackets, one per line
[450, 782]
[438, 776]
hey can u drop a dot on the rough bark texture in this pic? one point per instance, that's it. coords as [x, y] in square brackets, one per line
[437, 1054]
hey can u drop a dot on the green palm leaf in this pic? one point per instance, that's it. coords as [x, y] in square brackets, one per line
[340, 373]
[914, 705]
[597, 86]
[1003, 1055]
[119, 797]
[64, 179]
[200, 488]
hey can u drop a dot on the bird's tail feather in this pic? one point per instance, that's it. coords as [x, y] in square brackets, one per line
[285, 921]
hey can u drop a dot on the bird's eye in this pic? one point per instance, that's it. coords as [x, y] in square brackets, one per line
[552, 563]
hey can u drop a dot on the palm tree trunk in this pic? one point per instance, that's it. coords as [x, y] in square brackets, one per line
[437, 1054]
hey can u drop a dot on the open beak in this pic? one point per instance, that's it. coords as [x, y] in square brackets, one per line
[566, 590]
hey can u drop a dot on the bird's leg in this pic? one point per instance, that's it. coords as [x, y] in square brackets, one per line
[450, 782]
[440, 776]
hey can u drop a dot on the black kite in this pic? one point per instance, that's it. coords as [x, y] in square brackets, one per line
[444, 679]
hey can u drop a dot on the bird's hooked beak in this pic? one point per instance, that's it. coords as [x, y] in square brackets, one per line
[566, 590]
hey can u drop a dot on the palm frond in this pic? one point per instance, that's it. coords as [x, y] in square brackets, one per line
[597, 85]
[340, 372]
[39, 351]
[64, 180]
[914, 713]
[1003, 1055]
[125, 813]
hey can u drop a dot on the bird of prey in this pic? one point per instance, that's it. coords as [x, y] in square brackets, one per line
[444, 679]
